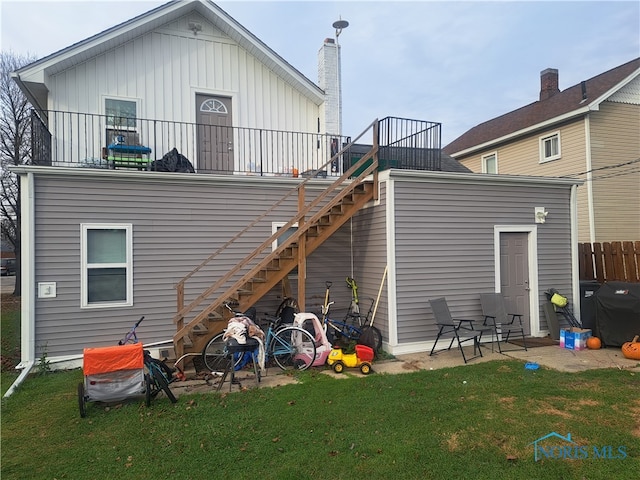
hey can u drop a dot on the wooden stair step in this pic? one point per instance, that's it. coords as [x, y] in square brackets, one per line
[199, 329]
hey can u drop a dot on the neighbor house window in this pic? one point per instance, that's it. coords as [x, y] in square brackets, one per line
[550, 147]
[490, 163]
[107, 273]
[121, 113]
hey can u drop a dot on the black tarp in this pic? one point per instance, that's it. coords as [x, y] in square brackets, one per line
[172, 161]
[617, 312]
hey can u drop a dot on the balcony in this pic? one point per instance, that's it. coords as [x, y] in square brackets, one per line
[70, 139]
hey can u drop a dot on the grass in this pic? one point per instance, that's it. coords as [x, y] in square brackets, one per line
[420, 425]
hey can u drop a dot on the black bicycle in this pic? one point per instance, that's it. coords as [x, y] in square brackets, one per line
[349, 330]
[159, 375]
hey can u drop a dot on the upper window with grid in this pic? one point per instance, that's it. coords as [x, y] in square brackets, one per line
[550, 147]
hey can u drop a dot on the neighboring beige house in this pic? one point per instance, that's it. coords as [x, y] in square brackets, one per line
[589, 131]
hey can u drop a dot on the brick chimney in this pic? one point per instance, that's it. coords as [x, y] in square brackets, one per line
[548, 83]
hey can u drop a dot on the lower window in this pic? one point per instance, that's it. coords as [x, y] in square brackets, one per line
[107, 277]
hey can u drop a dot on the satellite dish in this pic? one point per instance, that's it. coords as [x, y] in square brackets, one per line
[340, 24]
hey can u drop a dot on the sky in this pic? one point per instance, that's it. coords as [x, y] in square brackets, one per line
[452, 62]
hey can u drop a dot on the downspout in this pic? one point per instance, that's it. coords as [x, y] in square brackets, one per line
[392, 305]
[27, 315]
[589, 167]
[575, 268]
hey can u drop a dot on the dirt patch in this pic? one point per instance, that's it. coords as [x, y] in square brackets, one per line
[9, 302]
[412, 365]
[453, 442]
[545, 408]
[635, 409]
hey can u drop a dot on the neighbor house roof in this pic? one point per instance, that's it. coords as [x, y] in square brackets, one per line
[33, 77]
[559, 107]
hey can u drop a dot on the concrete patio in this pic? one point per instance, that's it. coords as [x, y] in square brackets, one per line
[553, 357]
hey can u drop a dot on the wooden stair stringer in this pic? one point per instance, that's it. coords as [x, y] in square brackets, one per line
[271, 276]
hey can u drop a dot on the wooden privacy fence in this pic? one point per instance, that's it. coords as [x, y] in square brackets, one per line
[610, 261]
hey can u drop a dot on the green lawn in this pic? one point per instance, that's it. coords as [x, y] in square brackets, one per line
[470, 422]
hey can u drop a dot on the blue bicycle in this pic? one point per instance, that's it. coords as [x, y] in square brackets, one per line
[287, 346]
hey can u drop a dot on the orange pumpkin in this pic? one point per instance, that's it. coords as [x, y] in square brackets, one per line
[632, 349]
[593, 343]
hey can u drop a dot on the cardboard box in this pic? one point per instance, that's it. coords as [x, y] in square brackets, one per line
[574, 338]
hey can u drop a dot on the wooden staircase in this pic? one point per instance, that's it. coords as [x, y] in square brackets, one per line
[263, 269]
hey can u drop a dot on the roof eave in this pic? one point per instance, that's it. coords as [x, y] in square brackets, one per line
[590, 107]
[525, 131]
[36, 71]
[495, 179]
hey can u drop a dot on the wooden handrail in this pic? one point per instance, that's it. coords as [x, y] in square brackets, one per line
[303, 227]
[273, 255]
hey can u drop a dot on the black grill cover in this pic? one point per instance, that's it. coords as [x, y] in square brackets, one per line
[172, 161]
[618, 312]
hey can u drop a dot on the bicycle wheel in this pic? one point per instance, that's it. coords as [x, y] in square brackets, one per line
[159, 378]
[82, 401]
[292, 348]
[147, 390]
[371, 336]
[214, 355]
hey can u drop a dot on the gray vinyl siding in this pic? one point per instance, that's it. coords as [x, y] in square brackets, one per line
[370, 258]
[444, 245]
[176, 225]
[442, 235]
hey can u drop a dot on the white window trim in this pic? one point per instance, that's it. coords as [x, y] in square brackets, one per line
[541, 142]
[274, 245]
[84, 227]
[484, 161]
[274, 228]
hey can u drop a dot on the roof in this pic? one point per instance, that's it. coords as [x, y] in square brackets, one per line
[559, 106]
[450, 164]
[32, 77]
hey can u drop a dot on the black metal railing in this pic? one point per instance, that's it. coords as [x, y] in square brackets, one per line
[404, 144]
[74, 139]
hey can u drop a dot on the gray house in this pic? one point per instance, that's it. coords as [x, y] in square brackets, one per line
[109, 237]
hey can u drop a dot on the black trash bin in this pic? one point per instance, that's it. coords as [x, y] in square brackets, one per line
[588, 289]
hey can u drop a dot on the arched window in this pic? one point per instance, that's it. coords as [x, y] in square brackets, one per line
[213, 106]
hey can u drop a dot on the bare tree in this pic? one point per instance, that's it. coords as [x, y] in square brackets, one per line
[15, 149]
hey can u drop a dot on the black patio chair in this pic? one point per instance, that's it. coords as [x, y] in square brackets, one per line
[454, 329]
[501, 324]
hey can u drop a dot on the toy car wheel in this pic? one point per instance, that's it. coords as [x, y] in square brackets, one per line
[365, 368]
[338, 367]
[82, 401]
